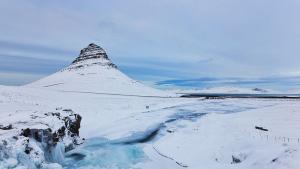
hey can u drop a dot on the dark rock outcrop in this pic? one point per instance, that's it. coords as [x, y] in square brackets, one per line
[95, 52]
[40, 135]
[50, 138]
[73, 124]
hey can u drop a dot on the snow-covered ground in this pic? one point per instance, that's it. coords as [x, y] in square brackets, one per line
[124, 124]
[228, 90]
[220, 140]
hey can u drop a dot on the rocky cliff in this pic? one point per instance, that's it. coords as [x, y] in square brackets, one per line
[92, 55]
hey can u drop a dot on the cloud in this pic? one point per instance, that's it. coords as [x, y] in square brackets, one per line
[190, 38]
[12, 63]
[16, 79]
[34, 51]
[277, 83]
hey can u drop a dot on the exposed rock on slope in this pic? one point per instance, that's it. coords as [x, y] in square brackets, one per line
[92, 55]
[91, 52]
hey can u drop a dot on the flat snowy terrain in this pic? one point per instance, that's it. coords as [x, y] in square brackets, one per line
[90, 115]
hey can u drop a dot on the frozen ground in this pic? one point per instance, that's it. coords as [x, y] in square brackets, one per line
[222, 140]
[229, 90]
[121, 132]
[90, 115]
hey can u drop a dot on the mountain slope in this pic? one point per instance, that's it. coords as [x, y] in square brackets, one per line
[93, 71]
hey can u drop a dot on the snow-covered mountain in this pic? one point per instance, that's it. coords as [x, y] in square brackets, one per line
[93, 71]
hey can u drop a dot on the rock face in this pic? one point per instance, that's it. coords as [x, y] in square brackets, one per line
[36, 146]
[92, 55]
[93, 51]
[49, 137]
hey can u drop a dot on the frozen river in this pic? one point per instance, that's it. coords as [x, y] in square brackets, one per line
[125, 152]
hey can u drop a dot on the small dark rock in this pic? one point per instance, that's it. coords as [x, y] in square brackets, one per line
[68, 110]
[170, 131]
[28, 150]
[261, 128]
[57, 114]
[235, 160]
[274, 160]
[9, 127]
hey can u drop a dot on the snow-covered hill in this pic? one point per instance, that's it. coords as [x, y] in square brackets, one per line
[93, 71]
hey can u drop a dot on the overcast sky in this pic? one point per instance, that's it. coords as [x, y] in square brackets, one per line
[152, 39]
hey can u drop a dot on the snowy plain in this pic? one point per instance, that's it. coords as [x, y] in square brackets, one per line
[128, 125]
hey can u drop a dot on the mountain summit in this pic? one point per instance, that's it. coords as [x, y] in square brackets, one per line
[91, 55]
[93, 51]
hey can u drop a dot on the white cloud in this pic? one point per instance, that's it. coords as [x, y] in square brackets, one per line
[13, 78]
[216, 38]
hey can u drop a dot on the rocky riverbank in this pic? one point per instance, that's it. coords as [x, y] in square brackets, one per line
[43, 142]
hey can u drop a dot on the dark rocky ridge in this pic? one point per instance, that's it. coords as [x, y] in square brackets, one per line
[92, 55]
[93, 51]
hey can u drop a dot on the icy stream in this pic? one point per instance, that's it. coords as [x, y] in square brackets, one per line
[124, 153]
[121, 153]
[103, 153]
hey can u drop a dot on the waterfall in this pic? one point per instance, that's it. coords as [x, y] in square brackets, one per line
[54, 152]
[57, 153]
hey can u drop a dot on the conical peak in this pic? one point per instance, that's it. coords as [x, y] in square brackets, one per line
[92, 51]
[92, 55]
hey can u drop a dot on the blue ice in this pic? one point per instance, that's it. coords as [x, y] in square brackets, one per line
[102, 153]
